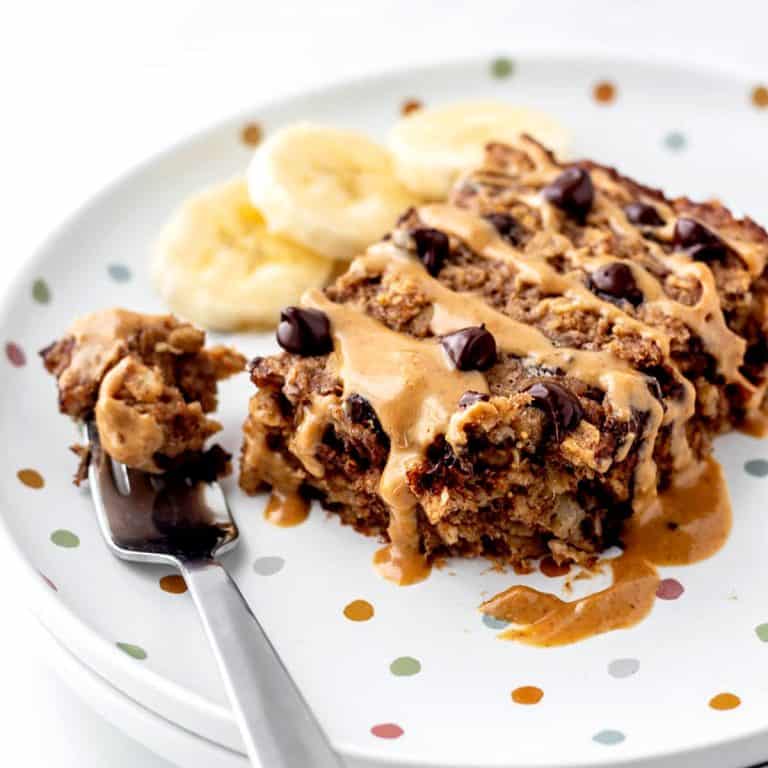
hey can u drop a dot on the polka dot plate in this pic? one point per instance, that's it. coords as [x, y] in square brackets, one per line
[401, 676]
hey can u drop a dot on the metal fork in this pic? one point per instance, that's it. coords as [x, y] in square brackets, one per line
[186, 523]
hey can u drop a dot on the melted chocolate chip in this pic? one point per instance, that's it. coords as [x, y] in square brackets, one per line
[305, 332]
[643, 213]
[470, 349]
[433, 248]
[470, 397]
[360, 411]
[572, 191]
[562, 406]
[615, 280]
[505, 225]
[701, 243]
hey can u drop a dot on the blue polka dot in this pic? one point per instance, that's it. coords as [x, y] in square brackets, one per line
[119, 273]
[492, 623]
[675, 141]
[756, 467]
[609, 737]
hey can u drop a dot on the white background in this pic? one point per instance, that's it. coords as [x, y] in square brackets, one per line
[89, 87]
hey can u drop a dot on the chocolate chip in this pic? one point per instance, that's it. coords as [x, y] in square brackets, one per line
[433, 248]
[572, 191]
[701, 243]
[470, 397]
[360, 411]
[470, 348]
[643, 213]
[562, 406]
[305, 332]
[616, 281]
[505, 225]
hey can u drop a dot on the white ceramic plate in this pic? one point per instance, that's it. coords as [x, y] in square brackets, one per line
[688, 131]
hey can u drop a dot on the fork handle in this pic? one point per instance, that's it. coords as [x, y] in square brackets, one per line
[277, 725]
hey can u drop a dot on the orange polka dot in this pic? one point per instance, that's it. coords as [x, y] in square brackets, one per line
[760, 96]
[31, 478]
[251, 134]
[604, 92]
[359, 610]
[410, 105]
[527, 694]
[174, 584]
[724, 701]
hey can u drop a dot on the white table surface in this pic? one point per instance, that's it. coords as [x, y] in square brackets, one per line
[89, 87]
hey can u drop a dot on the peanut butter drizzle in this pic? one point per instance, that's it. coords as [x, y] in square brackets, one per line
[483, 240]
[414, 391]
[286, 509]
[626, 389]
[687, 523]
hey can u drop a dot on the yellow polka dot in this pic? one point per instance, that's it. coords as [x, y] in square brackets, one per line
[174, 584]
[31, 478]
[359, 610]
[760, 96]
[724, 701]
[604, 92]
[527, 694]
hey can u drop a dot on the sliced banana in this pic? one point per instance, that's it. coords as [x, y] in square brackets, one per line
[334, 191]
[215, 262]
[432, 147]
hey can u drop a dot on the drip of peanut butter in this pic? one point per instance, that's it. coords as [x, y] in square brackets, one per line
[688, 523]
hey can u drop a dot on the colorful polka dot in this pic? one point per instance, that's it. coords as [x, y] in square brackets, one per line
[620, 668]
[134, 651]
[387, 731]
[756, 467]
[609, 737]
[527, 694]
[268, 566]
[48, 581]
[409, 106]
[174, 584]
[759, 96]
[359, 610]
[119, 273]
[669, 589]
[604, 92]
[675, 141]
[405, 666]
[761, 630]
[251, 134]
[15, 354]
[493, 623]
[502, 67]
[31, 478]
[64, 538]
[41, 293]
[724, 701]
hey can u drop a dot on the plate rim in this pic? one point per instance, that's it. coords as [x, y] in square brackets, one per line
[57, 618]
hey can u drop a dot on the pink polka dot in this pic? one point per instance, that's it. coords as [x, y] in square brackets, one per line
[15, 354]
[669, 589]
[387, 731]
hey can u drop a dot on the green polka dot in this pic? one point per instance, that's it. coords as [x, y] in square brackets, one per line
[41, 293]
[134, 651]
[405, 666]
[756, 467]
[64, 538]
[761, 630]
[502, 67]
[119, 273]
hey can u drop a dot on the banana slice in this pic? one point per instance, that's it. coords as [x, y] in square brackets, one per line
[215, 262]
[432, 147]
[334, 191]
